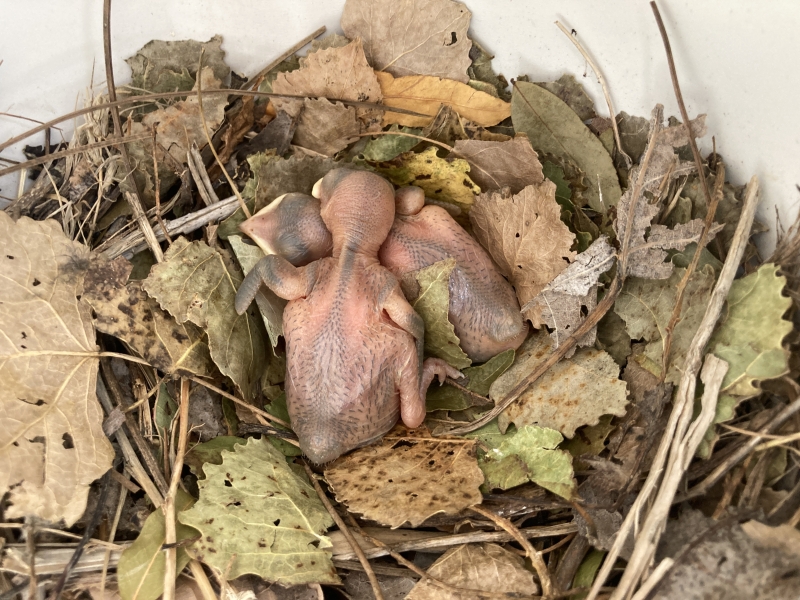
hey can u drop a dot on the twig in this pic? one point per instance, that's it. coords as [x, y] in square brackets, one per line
[535, 557]
[168, 508]
[603, 85]
[40, 160]
[254, 81]
[235, 189]
[132, 198]
[94, 521]
[376, 588]
[30, 542]
[157, 190]
[681, 414]
[684, 282]
[123, 494]
[198, 171]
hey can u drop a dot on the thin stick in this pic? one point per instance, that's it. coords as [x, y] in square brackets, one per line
[376, 588]
[536, 558]
[30, 543]
[684, 397]
[157, 190]
[168, 507]
[296, 48]
[603, 85]
[123, 494]
[684, 282]
[71, 151]
[481, 400]
[235, 189]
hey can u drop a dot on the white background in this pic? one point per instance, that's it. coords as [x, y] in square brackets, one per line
[737, 60]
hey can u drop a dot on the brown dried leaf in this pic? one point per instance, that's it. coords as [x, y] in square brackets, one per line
[485, 567]
[325, 127]
[52, 444]
[524, 235]
[494, 165]
[426, 94]
[408, 477]
[127, 312]
[573, 393]
[569, 90]
[416, 37]
[338, 73]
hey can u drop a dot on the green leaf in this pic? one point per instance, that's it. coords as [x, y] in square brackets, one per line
[387, 147]
[140, 571]
[256, 516]
[278, 408]
[210, 452]
[490, 434]
[446, 397]
[553, 127]
[530, 454]
[433, 304]
[584, 577]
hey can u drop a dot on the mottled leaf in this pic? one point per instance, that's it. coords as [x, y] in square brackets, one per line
[415, 37]
[495, 165]
[574, 392]
[195, 283]
[256, 516]
[52, 444]
[553, 127]
[326, 127]
[426, 94]
[407, 477]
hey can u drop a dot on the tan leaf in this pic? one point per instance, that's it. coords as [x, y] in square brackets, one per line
[575, 392]
[180, 125]
[485, 567]
[127, 312]
[408, 477]
[426, 94]
[195, 283]
[52, 444]
[326, 127]
[412, 37]
[494, 165]
[524, 235]
[338, 73]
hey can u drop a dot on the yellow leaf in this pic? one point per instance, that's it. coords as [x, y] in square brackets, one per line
[426, 94]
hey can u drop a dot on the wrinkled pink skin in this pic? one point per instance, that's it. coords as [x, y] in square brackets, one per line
[483, 308]
[353, 343]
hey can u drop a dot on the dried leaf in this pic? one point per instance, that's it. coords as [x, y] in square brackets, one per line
[269, 305]
[169, 66]
[530, 454]
[524, 235]
[633, 133]
[589, 440]
[140, 571]
[495, 165]
[52, 444]
[386, 147]
[426, 95]
[332, 40]
[553, 127]
[194, 283]
[646, 306]
[335, 73]
[256, 516]
[569, 90]
[210, 452]
[127, 312]
[560, 305]
[417, 37]
[576, 391]
[441, 178]
[481, 71]
[446, 397]
[433, 304]
[325, 127]
[407, 478]
[485, 567]
[277, 135]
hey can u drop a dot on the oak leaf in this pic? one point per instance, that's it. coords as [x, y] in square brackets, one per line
[195, 283]
[408, 477]
[575, 392]
[494, 165]
[257, 516]
[412, 37]
[128, 313]
[524, 235]
[486, 567]
[426, 94]
[52, 444]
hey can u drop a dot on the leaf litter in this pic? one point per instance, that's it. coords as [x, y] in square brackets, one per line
[564, 434]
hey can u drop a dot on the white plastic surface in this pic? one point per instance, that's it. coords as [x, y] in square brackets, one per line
[737, 60]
